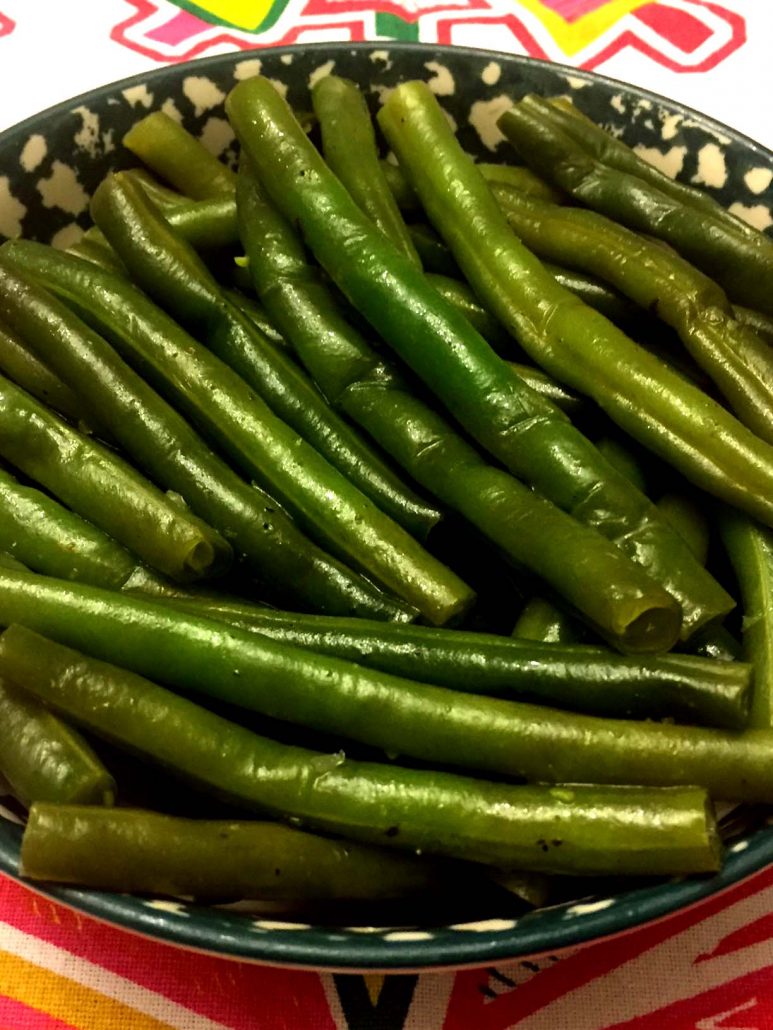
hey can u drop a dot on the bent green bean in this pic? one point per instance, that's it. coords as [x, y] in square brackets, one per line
[527, 433]
[600, 829]
[584, 567]
[168, 269]
[105, 490]
[130, 850]
[396, 715]
[570, 341]
[43, 759]
[217, 401]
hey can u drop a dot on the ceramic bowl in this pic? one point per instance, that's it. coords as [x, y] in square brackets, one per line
[49, 165]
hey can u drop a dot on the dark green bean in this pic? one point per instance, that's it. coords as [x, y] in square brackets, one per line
[43, 759]
[543, 622]
[19, 363]
[130, 850]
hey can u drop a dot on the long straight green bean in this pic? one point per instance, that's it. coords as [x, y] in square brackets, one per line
[396, 715]
[19, 363]
[527, 433]
[129, 850]
[609, 829]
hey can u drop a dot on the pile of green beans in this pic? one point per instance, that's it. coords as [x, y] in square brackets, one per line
[260, 435]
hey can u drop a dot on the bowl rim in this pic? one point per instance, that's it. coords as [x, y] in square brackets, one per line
[266, 941]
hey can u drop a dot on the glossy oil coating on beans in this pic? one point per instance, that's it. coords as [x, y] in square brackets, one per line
[732, 354]
[50, 539]
[736, 256]
[572, 342]
[523, 430]
[125, 849]
[220, 404]
[583, 566]
[43, 759]
[598, 829]
[163, 444]
[104, 489]
[396, 715]
[584, 679]
[169, 269]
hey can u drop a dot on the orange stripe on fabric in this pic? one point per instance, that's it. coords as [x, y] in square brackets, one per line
[70, 1002]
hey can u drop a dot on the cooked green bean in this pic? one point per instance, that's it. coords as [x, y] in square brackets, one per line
[396, 715]
[528, 434]
[43, 759]
[600, 829]
[739, 361]
[515, 176]
[734, 255]
[174, 275]
[129, 850]
[170, 151]
[222, 405]
[105, 490]
[582, 679]
[19, 363]
[685, 515]
[349, 146]
[543, 622]
[54, 541]
[619, 600]
[750, 548]
[570, 341]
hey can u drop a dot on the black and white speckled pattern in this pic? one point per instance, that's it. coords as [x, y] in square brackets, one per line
[51, 163]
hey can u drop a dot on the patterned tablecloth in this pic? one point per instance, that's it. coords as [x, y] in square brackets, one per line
[710, 968]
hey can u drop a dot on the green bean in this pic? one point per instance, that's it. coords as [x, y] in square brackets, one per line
[583, 679]
[570, 341]
[528, 529]
[130, 850]
[546, 387]
[349, 146]
[54, 541]
[94, 247]
[161, 195]
[514, 176]
[43, 759]
[396, 715]
[599, 829]
[230, 414]
[614, 153]
[157, 439]
[435, 256]
[739, 362]
[528, 434]
[173, 274]
[736, 257]
[102, 488]
[171, 152]
[250, 307]
[761, 324]
[464, 300]
[543, 622]
[750, 548]
[685, 515]
[19, 363]
[204, 223]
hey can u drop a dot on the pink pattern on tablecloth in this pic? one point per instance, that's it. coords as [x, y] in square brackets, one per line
[16, 1016]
